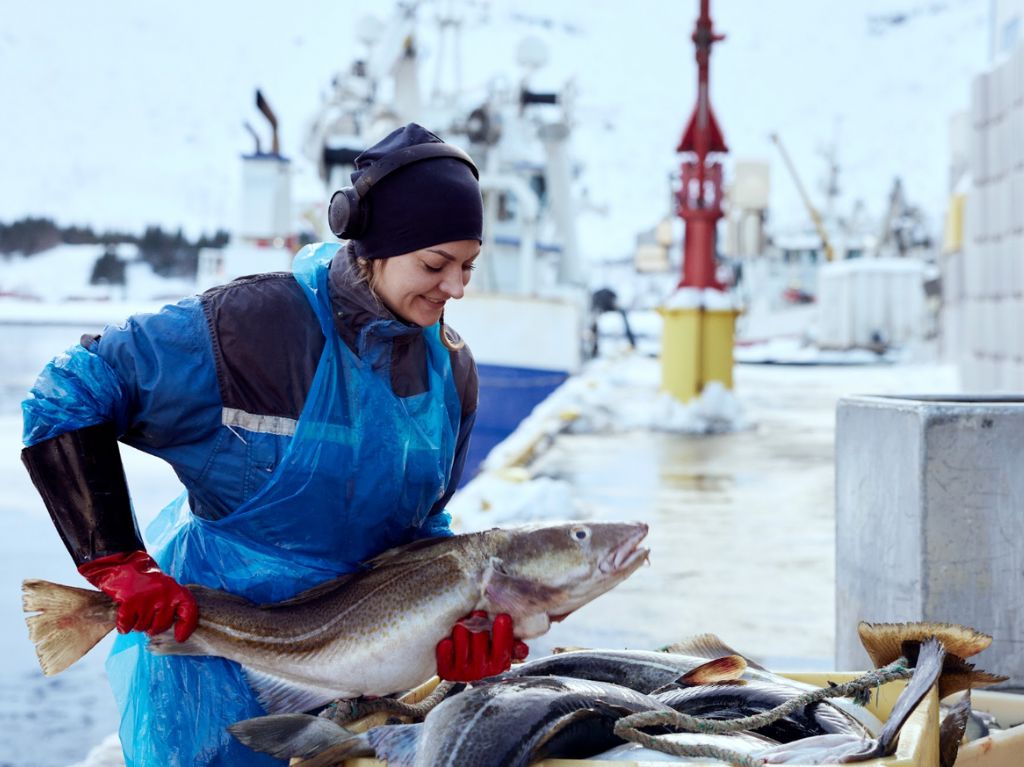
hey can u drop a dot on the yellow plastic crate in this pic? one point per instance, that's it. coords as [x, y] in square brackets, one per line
[1003, 748]
[918, 744]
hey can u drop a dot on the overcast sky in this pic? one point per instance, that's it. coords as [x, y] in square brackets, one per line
[118, 114]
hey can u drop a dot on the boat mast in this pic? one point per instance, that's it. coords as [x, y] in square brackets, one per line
[700, 193]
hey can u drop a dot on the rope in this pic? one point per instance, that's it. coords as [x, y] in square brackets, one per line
[344, 711]
[700, 751]
[628, 728]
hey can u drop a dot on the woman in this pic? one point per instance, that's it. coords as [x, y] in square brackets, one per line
[314, 418]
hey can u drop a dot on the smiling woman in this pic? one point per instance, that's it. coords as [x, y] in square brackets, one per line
[415, 286]
[316, 419]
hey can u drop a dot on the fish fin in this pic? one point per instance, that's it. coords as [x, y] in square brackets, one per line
[68, 622]
[311, 594]
[409, 552]
[516, 595]
[708, 646]
[396, 744]
[957, 674]
[981, 678]
[884, 641]
[926, 674]
[952, 729]
[675, 686]
[290, 735]
[670, 687]
[205, 593]
[166, 644]
[279, 695]
[405, 556]
[726, 669]
[574, 717]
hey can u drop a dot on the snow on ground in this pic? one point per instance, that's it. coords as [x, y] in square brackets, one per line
[68, 269]
[794, 351]
[613, 394]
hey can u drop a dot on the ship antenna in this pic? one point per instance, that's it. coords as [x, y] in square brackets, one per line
[255, 136]
[264, 107]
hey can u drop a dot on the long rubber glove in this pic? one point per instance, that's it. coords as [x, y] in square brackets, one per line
[469, 656]
[147, 599]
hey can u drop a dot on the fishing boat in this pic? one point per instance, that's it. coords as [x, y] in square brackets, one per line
[525, 313]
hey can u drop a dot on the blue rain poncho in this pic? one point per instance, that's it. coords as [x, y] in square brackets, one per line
[359, 475]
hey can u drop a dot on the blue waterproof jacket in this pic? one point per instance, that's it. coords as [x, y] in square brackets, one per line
[215, 383]
[311, 430]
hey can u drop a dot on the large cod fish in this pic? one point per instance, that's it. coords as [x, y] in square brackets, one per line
[372, 632]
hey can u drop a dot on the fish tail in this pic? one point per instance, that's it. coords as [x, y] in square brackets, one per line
[354, 747]
[288, 736]
[68, 621]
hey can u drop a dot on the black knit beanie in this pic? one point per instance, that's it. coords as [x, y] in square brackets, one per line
[422, 204]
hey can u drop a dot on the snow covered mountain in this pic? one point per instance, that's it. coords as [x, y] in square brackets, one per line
[118, 116]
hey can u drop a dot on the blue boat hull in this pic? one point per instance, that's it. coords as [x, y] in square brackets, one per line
[507, 396]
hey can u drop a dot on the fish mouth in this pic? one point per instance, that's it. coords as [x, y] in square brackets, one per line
[627, 555]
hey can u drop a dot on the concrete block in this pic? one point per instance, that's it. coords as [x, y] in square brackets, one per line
[929, 493]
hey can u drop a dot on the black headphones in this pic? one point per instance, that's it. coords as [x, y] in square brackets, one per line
[347, 214]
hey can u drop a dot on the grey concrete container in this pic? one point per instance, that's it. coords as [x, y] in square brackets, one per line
[930, 519]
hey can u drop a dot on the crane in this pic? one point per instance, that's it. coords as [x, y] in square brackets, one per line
[819, 224]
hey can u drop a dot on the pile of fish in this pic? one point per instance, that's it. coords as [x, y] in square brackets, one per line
[372, 632]
[567, 706]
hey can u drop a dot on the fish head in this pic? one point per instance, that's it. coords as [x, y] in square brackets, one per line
[557, 568]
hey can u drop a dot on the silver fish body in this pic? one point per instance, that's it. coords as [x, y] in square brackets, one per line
[373, 632]
[729, 701]
[505, 723]
[646, 671]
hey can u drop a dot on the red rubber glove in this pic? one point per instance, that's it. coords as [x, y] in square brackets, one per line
[468, 656]
[147, 599]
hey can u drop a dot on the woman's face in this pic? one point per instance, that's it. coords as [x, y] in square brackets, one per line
[415, 286]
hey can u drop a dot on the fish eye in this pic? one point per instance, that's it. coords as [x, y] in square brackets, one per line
[580, 533]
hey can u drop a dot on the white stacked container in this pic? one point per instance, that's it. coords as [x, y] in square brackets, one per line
[992, 309]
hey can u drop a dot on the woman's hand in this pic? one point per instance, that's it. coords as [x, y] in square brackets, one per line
[471, 655]
[147, 599]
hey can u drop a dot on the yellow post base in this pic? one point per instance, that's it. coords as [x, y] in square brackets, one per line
[696, 348]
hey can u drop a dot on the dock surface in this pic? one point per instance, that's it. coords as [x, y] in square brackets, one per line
[742, 524]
